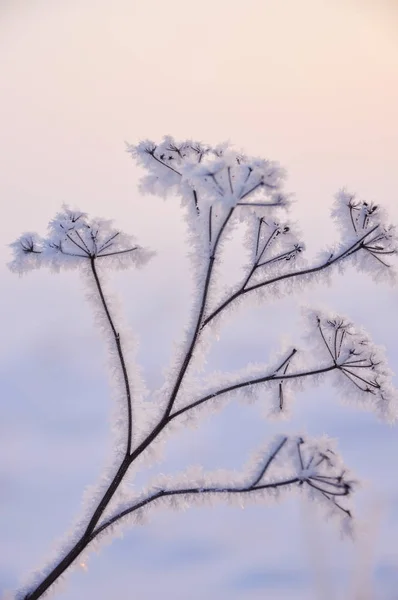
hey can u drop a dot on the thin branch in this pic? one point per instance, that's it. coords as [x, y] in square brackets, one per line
[243, 384]
[379, 250]
[300, 456]
[191, 491]
[105, 244]
[344, 491]
[244, 290]
[249, 172]
[119, 353]
[281, 398]
[257, 203]
[347, 374]
[73, 254]
[152, 153]
[60, 248]
[220, 188]
[337, 505]
[261, 183]
[199, 323]
[325, 342]
[279, 257]
[341, 342]
[260, 222]
[82, 241]
[287, 360]
[230, 180]
[265, 247]
[117, 252]
[352, 218]
[195, 199]
[269, 461]
[368, 382]
[377, 258]
[76, 244]
[259, 257]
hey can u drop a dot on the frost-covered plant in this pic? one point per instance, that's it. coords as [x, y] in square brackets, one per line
[219, 189]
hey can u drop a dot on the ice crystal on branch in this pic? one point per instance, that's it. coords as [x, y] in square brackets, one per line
[72, 237]
[219, 189]
[287, 463]
[367, 224]
[209, 176]
[337, 348]
[361, 372]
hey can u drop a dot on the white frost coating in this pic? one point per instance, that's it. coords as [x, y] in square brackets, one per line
[285, 464]
[362, 375]
[106, 246]
[219, 189]
[361, 220]
[72, 240]
[335, 349]
[219, 175]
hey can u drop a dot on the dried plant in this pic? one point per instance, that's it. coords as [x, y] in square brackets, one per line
[219, 188]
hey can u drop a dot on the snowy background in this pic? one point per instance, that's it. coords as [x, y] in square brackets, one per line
[312, 84]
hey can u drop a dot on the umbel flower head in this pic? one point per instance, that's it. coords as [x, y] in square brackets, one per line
[204, 175]
[74, 239]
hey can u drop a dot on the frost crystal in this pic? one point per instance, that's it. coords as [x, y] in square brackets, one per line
[220, 189]
[73, 238]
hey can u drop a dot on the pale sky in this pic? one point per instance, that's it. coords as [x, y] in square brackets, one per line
[310, 83]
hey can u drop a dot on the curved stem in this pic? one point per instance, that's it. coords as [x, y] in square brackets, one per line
[116, 336]
[193, 490]
[243, 384]
[244, 290]
[199, 322]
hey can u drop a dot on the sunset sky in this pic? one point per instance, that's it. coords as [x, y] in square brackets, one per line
[312, 84]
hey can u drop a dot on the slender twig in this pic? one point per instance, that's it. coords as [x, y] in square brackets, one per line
[195, 199]
[152, 153]
[105, 244]
[265, 247]
[287, 360]
[230, 180]
[259, 256]
[116, 337]
[378, 250]
[76, 244]
[260, 222]
[60, 248]
[269, 461]
[191, 491]
[348, 375]
[220, 189]
[85, 539]
[277, 258]
[261, 183]
[341, 342]
[299, 454]
[377, 258]
[199, 322]
[257, 203]
[352, 218]
[325, 342]
[342, 491]
[367, 381]
[246, 383]
[116, 252]
[82, 241]
[308, 271]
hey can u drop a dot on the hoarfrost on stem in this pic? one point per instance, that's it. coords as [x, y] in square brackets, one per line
[219, 188]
